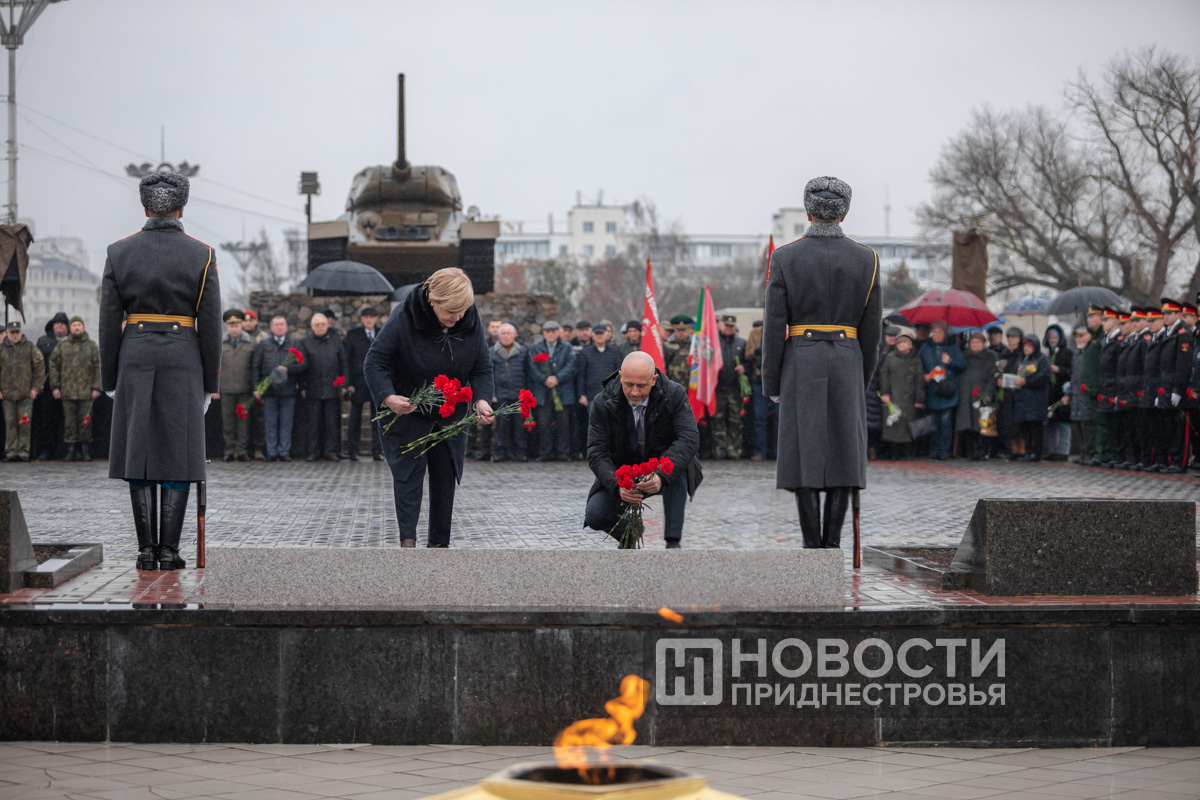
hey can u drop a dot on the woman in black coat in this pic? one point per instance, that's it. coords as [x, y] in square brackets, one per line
[1058, 353]
[1031, 399]
[435, 331]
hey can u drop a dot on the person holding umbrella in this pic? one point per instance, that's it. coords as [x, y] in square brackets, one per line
[435, 331]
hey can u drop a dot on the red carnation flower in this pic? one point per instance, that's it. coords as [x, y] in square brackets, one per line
[541, 357]
[440, 383]
[666, 466]
[464, 396]
[1161, 390]
[297, 355]
[742, 413]
[258, 401]
[745, 400]
[447, 409]
[340, 380]
[1083, 387]
[654, 462]
[975, 392]
[240, 410]
[1139, 392]
[530, 424]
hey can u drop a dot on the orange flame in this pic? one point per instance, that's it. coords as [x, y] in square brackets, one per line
[571, 747]
[673, 616]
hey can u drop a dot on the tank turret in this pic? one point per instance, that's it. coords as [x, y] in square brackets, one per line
[407, 221]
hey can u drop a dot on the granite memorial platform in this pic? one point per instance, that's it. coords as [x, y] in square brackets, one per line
[349, 577]
[1078, 546]
[16, 550]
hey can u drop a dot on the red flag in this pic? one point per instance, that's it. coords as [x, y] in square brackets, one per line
[770, 252]
[651, 337]
[705, 360]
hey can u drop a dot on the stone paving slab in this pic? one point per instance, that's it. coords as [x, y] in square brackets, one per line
[106, 771]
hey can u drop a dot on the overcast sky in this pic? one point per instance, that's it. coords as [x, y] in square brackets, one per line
[719, 112]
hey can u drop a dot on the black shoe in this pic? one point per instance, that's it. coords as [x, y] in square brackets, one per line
[499, 459]
[24, 459]
[437, 544]
[377, 457]
[45, 455]
[145, 523]
[1174, 469]
[173, 507]
[333, 456]
[84, 455]
[1154, 468]
[310, 458]
[673, 544]
[808, 503]
[565, 458]
[227, 458]
[478, 457]
[243, 457]
[352, 456]
[71, 454]
[285, 458]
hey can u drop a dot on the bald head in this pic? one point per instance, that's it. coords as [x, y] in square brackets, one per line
[637, 377]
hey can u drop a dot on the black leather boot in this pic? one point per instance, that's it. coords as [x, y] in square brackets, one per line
[71, 454]
[145, 522]
[836, 502]
[84, 455]
[808, 502]
[174, 505]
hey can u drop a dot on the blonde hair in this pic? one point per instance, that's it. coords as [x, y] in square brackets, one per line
[452, 288]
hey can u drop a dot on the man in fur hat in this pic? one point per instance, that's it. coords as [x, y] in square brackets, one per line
[823, 317]
[163, 368]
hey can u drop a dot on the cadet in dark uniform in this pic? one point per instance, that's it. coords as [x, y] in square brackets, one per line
[1175, 372]
[1191, 401]
[1153, 460]
[1129, 372]
[1106, 396]
[821, 332]
[163, 284]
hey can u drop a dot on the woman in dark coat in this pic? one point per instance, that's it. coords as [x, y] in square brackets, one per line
[435, 331]
[1031, 399]
[977, 388]
[938, 352]
[902, 383]
[1058, 434]
[1006, 424]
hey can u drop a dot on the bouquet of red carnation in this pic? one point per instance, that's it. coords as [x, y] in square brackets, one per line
[339, 381]
[294, 357]
[26, 410]
[240, 410]
[87, 420]
[630, 522]
[543, 360]
[443, 393]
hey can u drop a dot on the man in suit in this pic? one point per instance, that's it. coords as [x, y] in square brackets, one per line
[358, 342]
[823, 317]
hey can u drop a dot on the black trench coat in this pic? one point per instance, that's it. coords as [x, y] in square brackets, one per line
[822, 279]
[160, 371]
[412, 350]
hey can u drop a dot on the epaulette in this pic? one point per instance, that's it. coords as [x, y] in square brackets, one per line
[194, 239]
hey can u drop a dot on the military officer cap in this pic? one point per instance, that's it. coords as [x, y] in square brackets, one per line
[1169, 305]
[729, 319]
[164, 192]
[827, 198]
[1153, 313]
[551, 325]
[232, 315]
[1096, 310]
[1110, 313]
[14, 325]
[1137, 313]
[1189, 308]
[682, 319]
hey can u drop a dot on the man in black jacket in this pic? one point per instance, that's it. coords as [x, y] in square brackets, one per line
[595, 363]
[358, 342]
[272, 357]
[638, 416]
[48, 412]
[324, 376]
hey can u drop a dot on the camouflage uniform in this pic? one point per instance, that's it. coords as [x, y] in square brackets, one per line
[727, 422]
[75, 372]
[22, 370]
[676, 358]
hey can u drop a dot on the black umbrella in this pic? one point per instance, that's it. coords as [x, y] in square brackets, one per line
[403, 292]
[1076, 301]
[896, 318]
[346, 277]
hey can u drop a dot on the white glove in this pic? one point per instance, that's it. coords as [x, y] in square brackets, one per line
[111, 394]
[774, 398]
[1175, 398]
[207, 402]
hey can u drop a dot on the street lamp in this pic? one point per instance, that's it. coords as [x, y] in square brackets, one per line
[20, 18]
[309, 185]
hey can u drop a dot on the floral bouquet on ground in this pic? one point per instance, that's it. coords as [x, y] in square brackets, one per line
[628, 477]
[543, 361]
[294, 357]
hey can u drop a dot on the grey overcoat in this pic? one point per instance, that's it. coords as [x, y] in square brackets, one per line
[160, 370]
[821, 279]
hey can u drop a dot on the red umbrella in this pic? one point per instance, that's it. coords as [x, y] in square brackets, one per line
[955, 307]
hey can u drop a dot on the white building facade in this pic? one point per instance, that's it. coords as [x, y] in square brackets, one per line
[58, 279]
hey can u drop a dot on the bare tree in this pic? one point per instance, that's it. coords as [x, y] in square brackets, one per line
[1100, 195]
[266, 271]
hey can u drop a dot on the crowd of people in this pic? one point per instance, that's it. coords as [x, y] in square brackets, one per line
[1121, 391]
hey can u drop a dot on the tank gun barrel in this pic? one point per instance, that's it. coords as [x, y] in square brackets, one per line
[401, 156]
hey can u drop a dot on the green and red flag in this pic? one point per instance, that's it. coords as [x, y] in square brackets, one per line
[705, 359]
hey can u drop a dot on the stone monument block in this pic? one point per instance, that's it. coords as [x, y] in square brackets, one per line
[16, 550]
[1078, 546]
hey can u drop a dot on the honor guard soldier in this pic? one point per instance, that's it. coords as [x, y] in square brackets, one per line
[163, 367]
[1106, 398]
[1129, 370]
[1175, 369]
[1121, 429]
[1153, 460]
[821, 330]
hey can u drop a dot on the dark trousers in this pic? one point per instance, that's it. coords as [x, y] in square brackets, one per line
[258, 429]
[760, 405]
[354, 431]
[1083, 433]
[442, 482]
[559, 435]
[1032, 431]
[579, 426]
[1143, 435]
[971, 445]
[604, 509]
[943, 435]
[278, 413]
[1118, 440]
[322, 427]
[510, 436]
[1100, 422]
[49, 425]
[1171, 428]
